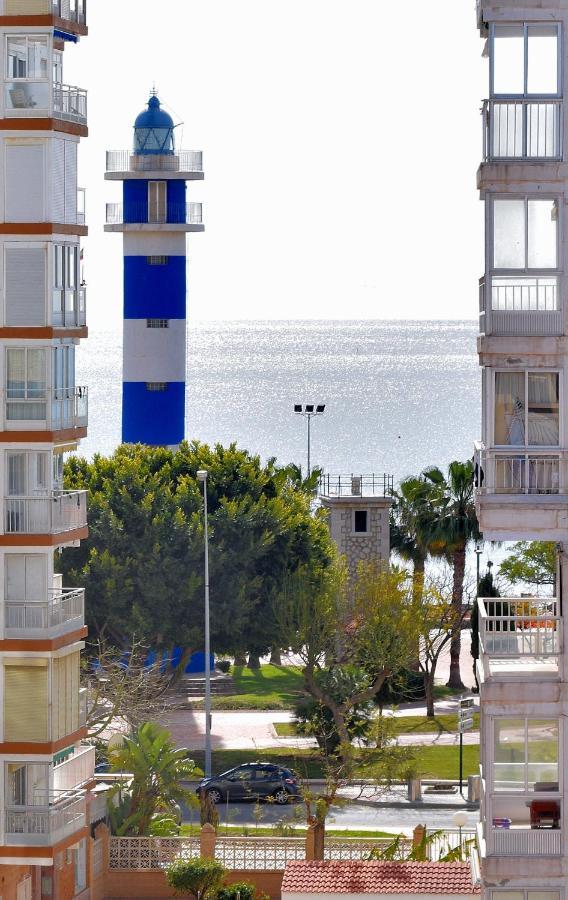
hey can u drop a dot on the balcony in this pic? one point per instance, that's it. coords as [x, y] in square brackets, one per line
[507, 841]
[137, 217]
[47, 822]
[519, 637]
[61, 613]
[75, 771]
[66, 408]
[69, 10]
[57, 513]
[122, 164]
[520, 306]
[40, 99]
[522, 130]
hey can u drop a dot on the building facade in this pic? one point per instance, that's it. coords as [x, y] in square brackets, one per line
[521, 461]
[154, 218]
[45, 770]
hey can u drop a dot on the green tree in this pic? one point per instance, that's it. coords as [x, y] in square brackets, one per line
[456, 526]
[485, 588]
[531, 562]
[158, 771]
[142, 565]
[201, 878]
[413, 525]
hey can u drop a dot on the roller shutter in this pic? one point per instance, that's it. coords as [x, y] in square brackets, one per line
[58, 175]
[70, 182]
[25, 182]
[25, 703]
[25, 286]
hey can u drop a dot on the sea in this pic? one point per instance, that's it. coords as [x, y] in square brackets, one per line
[398, 395]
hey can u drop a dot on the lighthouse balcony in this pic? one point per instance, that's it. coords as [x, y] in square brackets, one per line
[143, 217]
[186, 165]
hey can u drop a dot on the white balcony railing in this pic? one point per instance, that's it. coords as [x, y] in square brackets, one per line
[523, 842]
[38, 99]
[76, 771]
[512, 628]
[67, 408]
[56, 513]
[70, 10]
[45, 823]
[70, 103]
[522, 129]
[520, 305]
[63, 611]
[518, 471]
[180, 161]
[139, 214]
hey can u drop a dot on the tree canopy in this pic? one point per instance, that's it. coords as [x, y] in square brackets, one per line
[531, 562]
[142, 565]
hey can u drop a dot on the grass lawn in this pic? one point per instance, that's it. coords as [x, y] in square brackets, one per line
[446, 723]
[270, 687]
[431, 762]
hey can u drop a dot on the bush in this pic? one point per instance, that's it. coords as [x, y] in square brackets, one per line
[223, 665]
[199, 877]
[240, 890]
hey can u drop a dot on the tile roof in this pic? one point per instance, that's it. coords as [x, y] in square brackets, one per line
[377, 877]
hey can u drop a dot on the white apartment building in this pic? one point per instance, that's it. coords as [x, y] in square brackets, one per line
[522, 460]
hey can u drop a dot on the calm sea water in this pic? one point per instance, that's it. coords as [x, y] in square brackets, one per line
[399, 395]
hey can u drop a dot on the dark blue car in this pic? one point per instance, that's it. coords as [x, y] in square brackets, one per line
[252, 781]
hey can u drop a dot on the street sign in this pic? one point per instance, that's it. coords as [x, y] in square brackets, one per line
[465, 714]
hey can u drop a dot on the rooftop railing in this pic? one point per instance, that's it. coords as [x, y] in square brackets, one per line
[180, 161]
[512, 628]
[374, 485]
[518, 129]
[139, 214]
[56, 513]
[63, 608]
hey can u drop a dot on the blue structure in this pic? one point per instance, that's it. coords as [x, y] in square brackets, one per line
[154, 218]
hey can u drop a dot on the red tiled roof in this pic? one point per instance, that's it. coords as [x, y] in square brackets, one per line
[377, 877]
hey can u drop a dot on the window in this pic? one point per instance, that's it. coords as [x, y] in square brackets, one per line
[27, 473]
[25, 384]
[157, 323]
[360, 521]
[57, 67]
[157, 201]
[525, 755]
[525, 60]
[66, 278]
[157, 260]
[156, 386]
[525, 234]
[527, 409]
[26, 56]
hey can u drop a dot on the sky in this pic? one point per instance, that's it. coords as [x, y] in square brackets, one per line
[340, 140]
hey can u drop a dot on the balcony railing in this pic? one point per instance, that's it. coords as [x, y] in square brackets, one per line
[518, 471]
[70, 103]
[522, 129]
[375, 485]
[512, 628]
[67, 408]
[522, 305]
[63, 611]
[523, 842]
[75, 771]
[56, 513]
[140, 214]
[180, 161]
[70, 10]
[47, 822]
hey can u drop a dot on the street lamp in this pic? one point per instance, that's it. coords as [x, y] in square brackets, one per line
[309, 410]
[478, 552]
[202, 476]
[460, 819]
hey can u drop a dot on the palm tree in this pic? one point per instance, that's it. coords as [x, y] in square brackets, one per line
[157, 770]
[413, 526]
[456, 525]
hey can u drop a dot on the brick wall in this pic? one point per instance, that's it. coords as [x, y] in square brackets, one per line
[12, 876]
[153, 884]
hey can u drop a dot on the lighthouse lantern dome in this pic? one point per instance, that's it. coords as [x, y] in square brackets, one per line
[154, 130]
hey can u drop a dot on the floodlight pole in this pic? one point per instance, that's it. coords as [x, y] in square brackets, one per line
[202, 476]
[309, 410]
[309, 418]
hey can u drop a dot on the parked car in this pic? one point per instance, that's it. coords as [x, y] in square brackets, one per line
[252, 781]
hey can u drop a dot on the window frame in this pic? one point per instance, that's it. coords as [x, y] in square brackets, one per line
[493, 271]
[525, 95]
[367, 523]
[497, 794]
[27, 36]
[523, 448]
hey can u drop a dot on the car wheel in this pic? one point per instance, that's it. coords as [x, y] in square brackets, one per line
[281, 796]
[214, 796]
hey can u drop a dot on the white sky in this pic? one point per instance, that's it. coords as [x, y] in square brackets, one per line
[340, 140]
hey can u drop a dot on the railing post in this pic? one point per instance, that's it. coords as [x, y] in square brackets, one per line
[315, 841]
[207, 841]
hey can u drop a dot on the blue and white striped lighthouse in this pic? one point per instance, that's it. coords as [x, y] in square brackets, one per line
[154, 218]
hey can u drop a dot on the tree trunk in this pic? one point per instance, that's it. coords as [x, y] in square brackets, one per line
[275, 657]
[253, 661]
[240, 658]
[419, 565]
[455, 681]
[429, 692]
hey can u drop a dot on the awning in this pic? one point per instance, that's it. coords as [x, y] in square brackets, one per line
[65, 36]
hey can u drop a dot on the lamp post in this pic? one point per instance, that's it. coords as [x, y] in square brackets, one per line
[460, 819]
[202, 476]
[478, 552]
[309, 410]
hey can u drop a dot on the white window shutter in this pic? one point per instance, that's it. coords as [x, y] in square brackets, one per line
[25, 181]
[25, 286]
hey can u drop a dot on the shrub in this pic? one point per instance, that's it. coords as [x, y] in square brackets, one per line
[199, 877]
[223, 665]
[240, 890]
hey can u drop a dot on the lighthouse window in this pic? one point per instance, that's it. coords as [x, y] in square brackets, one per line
[157, 260]
[156, 386]
[360, 521]
[157, 323]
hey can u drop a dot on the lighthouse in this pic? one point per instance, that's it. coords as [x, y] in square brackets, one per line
[154, 217]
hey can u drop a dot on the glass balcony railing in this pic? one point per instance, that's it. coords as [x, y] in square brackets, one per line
[59, 409]
[38, 99]
[55, 513]
[63, 611]
[69, 307]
